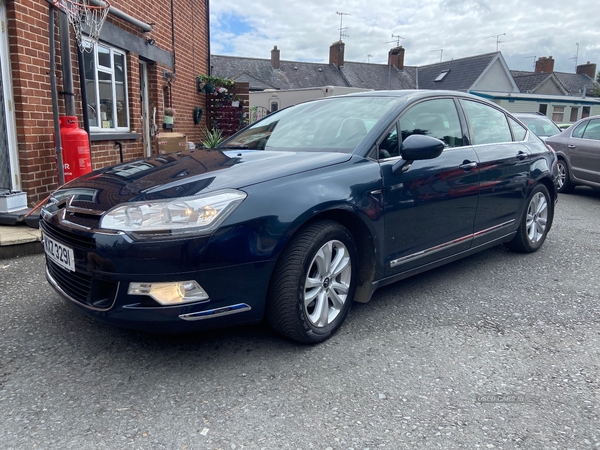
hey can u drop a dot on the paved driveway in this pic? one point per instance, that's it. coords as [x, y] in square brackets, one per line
[499, 350]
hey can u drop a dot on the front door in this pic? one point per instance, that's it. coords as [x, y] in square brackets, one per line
[144, 108]
[9, 170]
[429, 207]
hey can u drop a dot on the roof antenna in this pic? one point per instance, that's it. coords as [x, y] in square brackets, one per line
[497, 36]
[576, 56]
[533, 60]
[441, 50]
[343, 31]
[397, 37]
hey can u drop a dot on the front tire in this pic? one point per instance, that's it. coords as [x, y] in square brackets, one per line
[535, 223]
[564, 181]
[313, 284]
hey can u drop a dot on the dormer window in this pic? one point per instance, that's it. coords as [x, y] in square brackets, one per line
[442, 75]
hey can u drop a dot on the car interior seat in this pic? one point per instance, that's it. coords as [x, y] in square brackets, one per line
[432, 125]
[352, 132]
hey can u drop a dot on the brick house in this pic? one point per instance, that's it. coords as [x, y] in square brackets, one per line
[148, 58]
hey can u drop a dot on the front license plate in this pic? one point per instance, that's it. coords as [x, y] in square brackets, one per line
[59, 253]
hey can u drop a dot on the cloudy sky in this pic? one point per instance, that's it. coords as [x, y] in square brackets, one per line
[429, 29]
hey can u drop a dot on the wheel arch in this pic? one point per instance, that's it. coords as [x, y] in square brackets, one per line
[363, 239]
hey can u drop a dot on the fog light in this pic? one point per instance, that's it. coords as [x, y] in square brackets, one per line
[170, 293]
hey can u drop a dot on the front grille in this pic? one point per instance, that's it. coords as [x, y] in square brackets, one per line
[71, 238]
[76, 285]
[82, 288]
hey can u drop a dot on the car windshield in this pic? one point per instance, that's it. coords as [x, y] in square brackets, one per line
[540, 126]
[336, 124]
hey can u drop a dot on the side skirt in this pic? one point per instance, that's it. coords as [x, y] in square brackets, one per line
[409, 273]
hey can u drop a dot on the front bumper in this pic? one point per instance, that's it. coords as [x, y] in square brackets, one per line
[106, 264]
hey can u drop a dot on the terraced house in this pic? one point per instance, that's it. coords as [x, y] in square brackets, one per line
[147, 59]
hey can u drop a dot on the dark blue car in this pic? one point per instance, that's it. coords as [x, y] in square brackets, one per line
[300, 214]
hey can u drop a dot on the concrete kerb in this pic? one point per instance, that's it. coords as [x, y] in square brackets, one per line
[19, 240]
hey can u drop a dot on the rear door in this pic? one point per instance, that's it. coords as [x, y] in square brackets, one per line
[584, 151]
[429, 207]
[503, 169]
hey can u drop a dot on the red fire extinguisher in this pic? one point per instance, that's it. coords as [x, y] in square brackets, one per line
[77, 160]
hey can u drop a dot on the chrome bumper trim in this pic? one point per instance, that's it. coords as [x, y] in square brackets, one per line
[217, 312]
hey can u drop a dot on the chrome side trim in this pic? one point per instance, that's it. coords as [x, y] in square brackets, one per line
[218, 312]
[55, 285]
[447, 245]
[494, 228]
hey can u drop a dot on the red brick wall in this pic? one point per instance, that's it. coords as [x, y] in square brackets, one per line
[29, 50]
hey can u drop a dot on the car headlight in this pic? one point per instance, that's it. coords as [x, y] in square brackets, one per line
[200, 213]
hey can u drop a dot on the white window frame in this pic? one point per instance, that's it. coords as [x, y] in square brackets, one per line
[96, 122]
[556, 111]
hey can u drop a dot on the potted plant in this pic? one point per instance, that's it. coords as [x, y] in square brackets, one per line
[168, 118]
[212, 138]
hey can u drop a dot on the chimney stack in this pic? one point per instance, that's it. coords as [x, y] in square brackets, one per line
[275, 58]
[587, 69]
[336, 54]
[396, 58]
[544, 65]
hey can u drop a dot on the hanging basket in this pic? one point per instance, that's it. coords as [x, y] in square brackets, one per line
[209, 88]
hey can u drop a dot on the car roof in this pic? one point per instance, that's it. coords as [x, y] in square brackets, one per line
[414, 93]
[529, 114]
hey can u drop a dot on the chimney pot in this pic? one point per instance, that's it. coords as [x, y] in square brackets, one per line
[544, 65]
[275, 58]
[336, 53]
[587, 69]
[396, 57]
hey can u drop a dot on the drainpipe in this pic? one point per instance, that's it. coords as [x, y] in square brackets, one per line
[208, 67]
[57, 140]
[84, 101]
[67, 72]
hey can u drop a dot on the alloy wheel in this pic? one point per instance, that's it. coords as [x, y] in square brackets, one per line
[327, 283]
[562, 174]
[537, 217]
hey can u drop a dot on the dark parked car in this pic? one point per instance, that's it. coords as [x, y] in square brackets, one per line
[299, 214]
[578, 152]
[541, 125]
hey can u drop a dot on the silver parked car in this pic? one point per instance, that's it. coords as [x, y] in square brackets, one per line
[541, 125]
[578, 152]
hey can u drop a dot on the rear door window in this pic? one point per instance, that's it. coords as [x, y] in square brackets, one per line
[488, 125]
[593, 130]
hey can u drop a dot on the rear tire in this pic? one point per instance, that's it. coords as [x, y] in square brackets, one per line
[564, 181]
[313, 285]
[535, 223]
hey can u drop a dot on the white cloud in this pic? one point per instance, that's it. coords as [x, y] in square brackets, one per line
[305, 30]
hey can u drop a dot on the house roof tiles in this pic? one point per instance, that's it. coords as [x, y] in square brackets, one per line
[462, 75]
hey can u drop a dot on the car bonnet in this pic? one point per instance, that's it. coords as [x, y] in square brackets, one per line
[189, 173]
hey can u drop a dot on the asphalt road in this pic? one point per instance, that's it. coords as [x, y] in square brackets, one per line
[499, 350]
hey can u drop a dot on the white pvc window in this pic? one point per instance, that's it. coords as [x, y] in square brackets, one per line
[106, 86]
[558, 114]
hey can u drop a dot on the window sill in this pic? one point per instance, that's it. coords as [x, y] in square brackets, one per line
[116, 136]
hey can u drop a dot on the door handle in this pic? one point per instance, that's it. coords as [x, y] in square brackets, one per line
[521, 155]
[571, 146]
[467, 165]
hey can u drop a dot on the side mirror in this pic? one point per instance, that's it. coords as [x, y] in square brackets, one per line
[418, 146]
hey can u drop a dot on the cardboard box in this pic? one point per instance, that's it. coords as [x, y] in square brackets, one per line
[171, 142]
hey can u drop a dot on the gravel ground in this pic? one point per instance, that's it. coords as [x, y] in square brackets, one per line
[496, 351]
